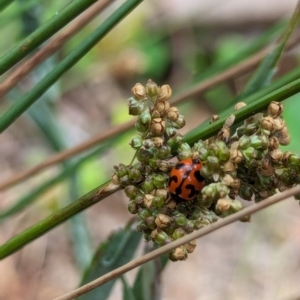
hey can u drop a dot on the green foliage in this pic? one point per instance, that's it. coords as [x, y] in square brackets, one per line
[111, 254]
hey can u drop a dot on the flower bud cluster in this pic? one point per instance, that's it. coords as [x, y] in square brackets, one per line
[247, 164]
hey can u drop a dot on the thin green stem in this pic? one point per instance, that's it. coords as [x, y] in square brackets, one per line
[26, 101]
[5, 3]
[96, 195]
[204, 132]
[55, 219]
[43, 33]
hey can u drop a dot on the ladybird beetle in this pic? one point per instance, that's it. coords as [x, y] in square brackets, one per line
[185, 179]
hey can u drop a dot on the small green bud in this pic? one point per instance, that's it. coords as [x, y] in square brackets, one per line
[159, 180]
[158, 201]
[212, 162]
[144, 213]
[161, 238]
[150, 222]
[132, 207]
[144, 118]
[131, 191]
[189, 226]
[144, 155]
[135, 175]
[178, 233]
[250, 153]
[203, 154]
[246, 192]
[201, 222]
[136, 107]
[251, 128]
[180, 219]
[171, 131]
[244, 142]
[294, 160]
[136, 143]
[141, 128]
[148, 186]
[121, 170]
[163, 152]
[152, 89]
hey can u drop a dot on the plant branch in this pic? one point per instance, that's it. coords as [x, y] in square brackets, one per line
[200, 88]
[42, 227]
[55, 219]
[52, 46]
[43, 33]
[31, 97]
[188, 238]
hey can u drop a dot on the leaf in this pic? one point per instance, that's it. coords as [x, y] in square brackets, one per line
[147, 277]
[127, 291]
[111, 254]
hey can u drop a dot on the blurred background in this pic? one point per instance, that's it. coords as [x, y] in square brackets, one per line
[172, 42]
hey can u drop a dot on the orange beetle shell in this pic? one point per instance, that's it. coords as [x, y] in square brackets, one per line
[185, 179]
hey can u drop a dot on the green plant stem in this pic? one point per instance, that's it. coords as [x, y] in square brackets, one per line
[43, 33]
[5, 3]
[26, 101]
[55, 219]
[255, 103]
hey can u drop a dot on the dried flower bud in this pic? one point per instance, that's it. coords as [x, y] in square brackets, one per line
[239, 105]
[273, 142]
[236, 156]
[266, 167]
[162, 106]
[190, 246]
[152, 89]
[173, 113]
[267, 123]
[148, 200]
[214, 118]
[283, 136]
[275, 109]
[162, 221]
[155, 114]
[157, 142]
[276, 155]
[278, 124]
[165, 93]
[139, 91]
[178, 253]
[223, 205]
[228, 166]
[158, 126]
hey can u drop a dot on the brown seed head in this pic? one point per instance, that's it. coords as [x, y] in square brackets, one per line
[165, 93]
[275, 109]
[139, 91]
